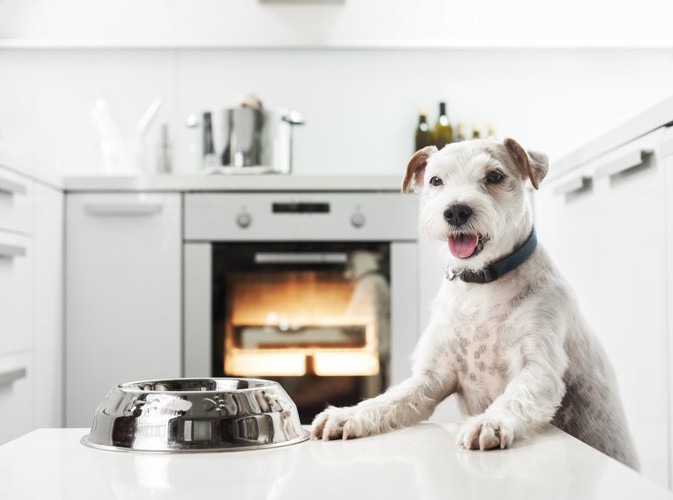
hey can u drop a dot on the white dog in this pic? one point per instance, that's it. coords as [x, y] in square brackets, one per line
[506, 335]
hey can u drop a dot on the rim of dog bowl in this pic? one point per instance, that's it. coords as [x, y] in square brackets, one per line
[265, 446]
[128, 386]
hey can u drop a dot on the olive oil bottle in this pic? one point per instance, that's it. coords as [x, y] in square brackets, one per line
[423, 135]
[443, 133]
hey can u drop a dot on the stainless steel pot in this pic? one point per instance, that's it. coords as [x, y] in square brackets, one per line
[188, 415]
[249, 140]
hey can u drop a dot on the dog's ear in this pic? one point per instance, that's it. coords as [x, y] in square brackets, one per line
[416, 168]
[533, 165]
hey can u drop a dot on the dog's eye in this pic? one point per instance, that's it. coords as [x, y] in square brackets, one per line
[494, 177]
[436, 181]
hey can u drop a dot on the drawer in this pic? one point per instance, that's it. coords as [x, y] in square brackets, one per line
[16, 292]
[16, 202]
[17, 404]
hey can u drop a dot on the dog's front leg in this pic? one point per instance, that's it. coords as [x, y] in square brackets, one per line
[402, 405]
[529, 400]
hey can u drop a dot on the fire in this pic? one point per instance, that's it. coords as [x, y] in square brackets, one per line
[291, 324]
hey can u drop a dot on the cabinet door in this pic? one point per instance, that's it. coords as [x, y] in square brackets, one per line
[630, 190]
[16, 395]
[16, 202]
[666, 153]
[604, 225]
[48, 306]
[123, 289]
[16, 292]
[567, 220]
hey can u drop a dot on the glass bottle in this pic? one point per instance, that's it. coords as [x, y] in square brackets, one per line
[423, 135]
[443, 132]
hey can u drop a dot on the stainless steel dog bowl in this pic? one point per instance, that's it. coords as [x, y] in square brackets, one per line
[188, 415]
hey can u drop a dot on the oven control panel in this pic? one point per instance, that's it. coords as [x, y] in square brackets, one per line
[300, 217]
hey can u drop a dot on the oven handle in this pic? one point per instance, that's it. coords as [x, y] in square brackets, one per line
[300, 258]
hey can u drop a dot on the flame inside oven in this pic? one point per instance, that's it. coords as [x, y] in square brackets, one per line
[299, 323]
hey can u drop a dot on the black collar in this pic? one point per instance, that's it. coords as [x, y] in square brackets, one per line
[496, 269]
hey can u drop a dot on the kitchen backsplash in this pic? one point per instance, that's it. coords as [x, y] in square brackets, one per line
[360, 106]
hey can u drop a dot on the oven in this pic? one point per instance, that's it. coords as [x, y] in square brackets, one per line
[317, 291]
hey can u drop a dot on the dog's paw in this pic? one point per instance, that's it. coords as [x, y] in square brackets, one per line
[483, 433]
[341, 423]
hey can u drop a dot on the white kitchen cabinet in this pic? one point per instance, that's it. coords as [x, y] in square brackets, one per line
[16, 292]
[16, 202]
[16, 262]
[31, 302]
[633, 328]
[123, 294]
[604, 225]
[17, 400]
[566, 219]
[666, 154]
[48, 321]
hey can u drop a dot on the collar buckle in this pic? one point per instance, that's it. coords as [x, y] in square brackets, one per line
[452, 274]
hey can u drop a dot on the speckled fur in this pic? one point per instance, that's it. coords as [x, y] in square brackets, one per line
[516, 352]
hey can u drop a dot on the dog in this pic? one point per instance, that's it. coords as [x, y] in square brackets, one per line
[506, 334]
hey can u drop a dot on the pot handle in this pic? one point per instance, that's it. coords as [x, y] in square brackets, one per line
[294, 118]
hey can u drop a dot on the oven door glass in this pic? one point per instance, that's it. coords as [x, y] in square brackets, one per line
[313, 316]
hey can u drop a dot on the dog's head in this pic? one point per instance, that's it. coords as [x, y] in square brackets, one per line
[473, 197]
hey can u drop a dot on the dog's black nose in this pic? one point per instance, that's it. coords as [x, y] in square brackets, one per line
[457, 214]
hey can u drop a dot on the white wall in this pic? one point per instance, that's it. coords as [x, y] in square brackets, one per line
[358, 71]
[354, 22]
[360, 105]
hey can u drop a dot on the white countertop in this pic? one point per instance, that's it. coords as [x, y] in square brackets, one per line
[421, 462]
[17, 162]
[251, 183]
[650, 119]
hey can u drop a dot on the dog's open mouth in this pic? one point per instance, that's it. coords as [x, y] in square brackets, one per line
[464, 246]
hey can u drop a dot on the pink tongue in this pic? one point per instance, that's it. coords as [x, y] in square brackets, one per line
[463, 245]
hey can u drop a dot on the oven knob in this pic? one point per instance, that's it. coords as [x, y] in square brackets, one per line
[358, 220]
[243, 220]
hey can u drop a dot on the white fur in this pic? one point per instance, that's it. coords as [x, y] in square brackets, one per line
[517, 351]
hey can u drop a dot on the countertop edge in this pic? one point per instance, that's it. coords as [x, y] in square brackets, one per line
[18, 163]
[657, 116]
[236, 183]
[63, 460]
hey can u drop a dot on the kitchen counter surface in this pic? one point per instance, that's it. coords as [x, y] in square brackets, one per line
[420, 462]
[17, 162]
[251, 183]
[657, 116]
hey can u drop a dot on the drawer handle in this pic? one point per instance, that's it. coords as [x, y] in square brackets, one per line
[11, 187]
[10, 251]
[124, 209]
[626, 162]
[6, 378]
[572, 186]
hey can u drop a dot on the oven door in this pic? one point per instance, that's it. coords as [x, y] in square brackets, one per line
[315, 316]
